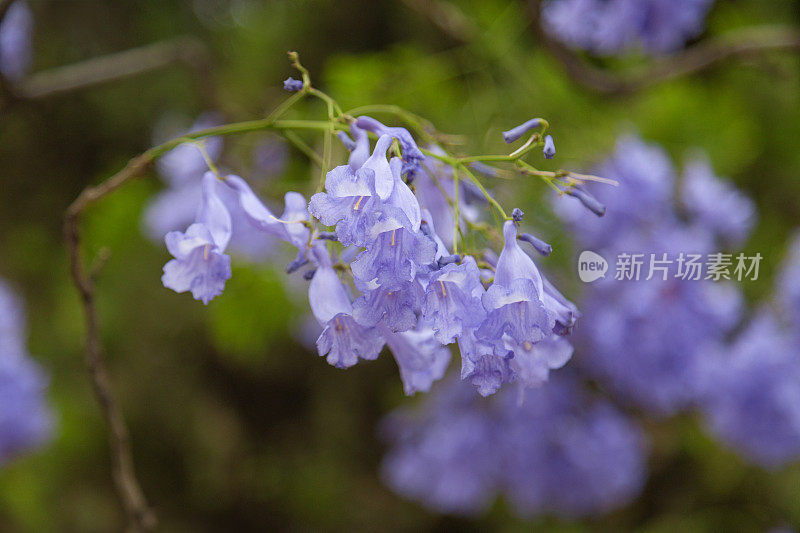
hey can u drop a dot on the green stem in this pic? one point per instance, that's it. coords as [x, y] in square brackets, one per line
[242, 127]
[486, 194]
[456, 209]
[211, 166]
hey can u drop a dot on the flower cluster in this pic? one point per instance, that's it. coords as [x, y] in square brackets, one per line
[608, 27]
[560, 452]
[24, 418]
[751, 396]
[639, 357]
[15, 40]
[410, 292]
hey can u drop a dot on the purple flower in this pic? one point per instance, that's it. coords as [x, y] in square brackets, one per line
[25, 421]
[752, 393]
[200, 264]
[394, 306]
[24, 418]
[270, 157]
[788, 285]
[289, 227]
[352, 200]
[444, 455]
[420, 358]
[532, 363]
[515, 133]
[715, 203]
[412, 155]
[393, 257]
[16, 30]
[453, 300]
[513, 302]
[343, 340]
[185, 164]
[515, 311]
[360, 152]
[292, 85]
[560, 452]
[480, 366]
[612, 26]
[569, 455]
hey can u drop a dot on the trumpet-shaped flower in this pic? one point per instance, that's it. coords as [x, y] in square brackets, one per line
[343, 340]
[412, 155]
[200, 264]
[419, 356]
[453, 300]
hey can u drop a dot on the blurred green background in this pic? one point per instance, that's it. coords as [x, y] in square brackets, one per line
[236, 426]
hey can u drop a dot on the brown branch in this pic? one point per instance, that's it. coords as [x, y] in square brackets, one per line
[120, 65]
[140, 516]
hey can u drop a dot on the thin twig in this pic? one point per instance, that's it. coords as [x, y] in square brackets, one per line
[140, 516]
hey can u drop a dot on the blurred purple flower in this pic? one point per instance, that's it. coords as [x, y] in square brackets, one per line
[608, 27]
[752, 393]
[16, 31]
[25, 420]
[560, 452]
[715, 203]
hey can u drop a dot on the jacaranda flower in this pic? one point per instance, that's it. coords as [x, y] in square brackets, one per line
[16, 30]
[412, 155]
[342, 340]
[201, 265]
[420, 358]
[25, 421]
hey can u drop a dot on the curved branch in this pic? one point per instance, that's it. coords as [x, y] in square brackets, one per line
[140, 516]
[117, 66]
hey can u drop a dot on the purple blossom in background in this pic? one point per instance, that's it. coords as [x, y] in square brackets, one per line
[25, 421]
[558, 452]
[16, 31]
[270, 157]
[752, 392]
[788, 285]
[185, 163]
[715, 204]
[608, 27]
[628, 339]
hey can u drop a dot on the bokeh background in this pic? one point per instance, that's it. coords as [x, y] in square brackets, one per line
[236, 425]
